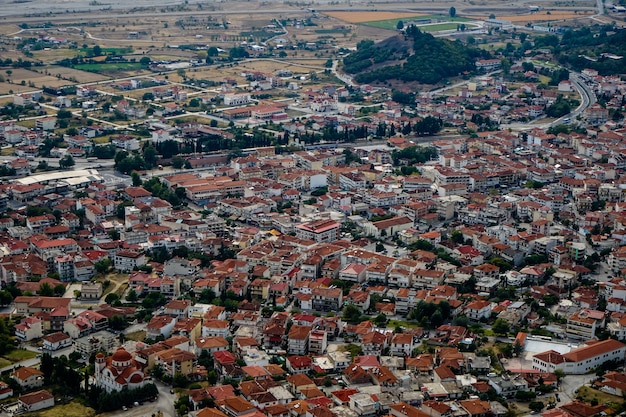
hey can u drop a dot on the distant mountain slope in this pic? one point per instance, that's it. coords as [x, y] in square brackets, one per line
[416, 56]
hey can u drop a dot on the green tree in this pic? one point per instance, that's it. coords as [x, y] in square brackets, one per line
[501, 327]
[66, 162]
[111, 298]
[536, 406]
[131, 296]
[351, 314]
[452, 11]
[178, 162]
[97, 50]
[46, 290]
[59, 290]
[136, 179]
[400, 25]
[380, 320]
[102, 266]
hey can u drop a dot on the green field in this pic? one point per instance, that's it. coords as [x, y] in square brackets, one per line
[109, 51]
[109, 66]
[393, 23]
[19, 355]
[438, 27]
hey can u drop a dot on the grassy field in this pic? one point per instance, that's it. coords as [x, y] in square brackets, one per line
[447, 24]
[109, 51]
[136, 336]
[109, 67]
[362, 17]
[394, 323]
[4, 362]
[19, 355]
[438, 27]
[73, 409]
[587, 394]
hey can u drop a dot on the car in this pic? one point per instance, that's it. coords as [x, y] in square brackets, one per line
[124, 408]
[171, 391]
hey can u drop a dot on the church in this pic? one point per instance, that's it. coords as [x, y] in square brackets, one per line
[118, 371]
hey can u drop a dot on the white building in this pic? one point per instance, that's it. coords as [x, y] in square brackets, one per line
[581, 360]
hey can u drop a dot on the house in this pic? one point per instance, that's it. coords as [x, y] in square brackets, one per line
[401, 344]
[37, 400]
[178, 309]
[28, 377]
[56, 341]
[478, 310]
[298, 364]
[160, 326]
[298, 340]
[29, 328]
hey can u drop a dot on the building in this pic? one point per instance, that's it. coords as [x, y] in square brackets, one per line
[34, 401]
[128, 260]
[319, 231]
[118, 371]
[581, 360]
[28, 377]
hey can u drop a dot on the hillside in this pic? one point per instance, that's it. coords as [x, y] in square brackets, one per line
[416, 56]
[602, 49]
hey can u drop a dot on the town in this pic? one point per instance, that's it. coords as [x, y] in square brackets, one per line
[313, 212]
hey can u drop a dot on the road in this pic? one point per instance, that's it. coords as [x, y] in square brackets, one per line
[587, 98]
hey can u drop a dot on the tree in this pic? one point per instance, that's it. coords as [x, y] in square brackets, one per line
[131, 296]
[380, 319]
[97, 50]
[400, 25]
[144, 61]
[351, 314]
[45, 290]
[59, 290]
[536, 405]
[178, 162]
[452, 11]
[136, 179]
[102, 266]
[66, 162]
[501, 327]
[5, 298]
[111, 298]
[147, 96]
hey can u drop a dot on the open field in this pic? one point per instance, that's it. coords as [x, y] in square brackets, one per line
[73, 409]
[37, 79]
[136, 336]
[438, 27]
[543, 16]
[109, 66]
[79, 76]
[363, 17]
[587, 394]
[19, 355]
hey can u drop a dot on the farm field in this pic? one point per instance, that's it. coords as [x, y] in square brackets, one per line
[438, 27]
[109, 66]
[35, 78]
[363, 17]
[79, 76]
[543, 16]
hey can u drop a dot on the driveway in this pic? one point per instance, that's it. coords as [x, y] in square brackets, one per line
[571, 383]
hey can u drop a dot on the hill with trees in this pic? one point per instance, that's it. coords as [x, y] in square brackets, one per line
[602, 48]
[418, 56]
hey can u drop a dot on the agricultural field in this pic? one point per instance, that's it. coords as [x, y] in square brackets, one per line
[544, 16]
[35, 79]
[79, 76]
[365, 17]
